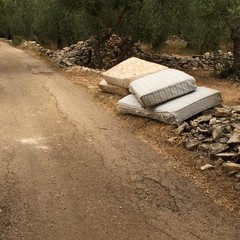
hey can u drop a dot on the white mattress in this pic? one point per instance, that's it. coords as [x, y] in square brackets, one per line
[174, 111]
[162, 86]
[129, 70]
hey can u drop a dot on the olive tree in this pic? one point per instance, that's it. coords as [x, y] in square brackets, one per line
[227, 14]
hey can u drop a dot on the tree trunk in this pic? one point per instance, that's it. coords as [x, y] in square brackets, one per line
[9, 34]
[127, 44]
[97, 46]
[59, 38]
[236, 49]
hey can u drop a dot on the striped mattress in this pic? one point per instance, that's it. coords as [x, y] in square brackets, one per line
[174, 111]
[162, 86]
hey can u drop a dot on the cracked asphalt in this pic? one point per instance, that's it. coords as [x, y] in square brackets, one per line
[70, 171]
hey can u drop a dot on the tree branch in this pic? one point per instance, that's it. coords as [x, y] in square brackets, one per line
[98, 13]
[121, 16]
[228, 23]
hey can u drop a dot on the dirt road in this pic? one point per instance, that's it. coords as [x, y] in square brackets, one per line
[69, 171]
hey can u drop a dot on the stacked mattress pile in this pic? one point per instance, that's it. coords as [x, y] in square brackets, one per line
[160, 93]
[117, 79]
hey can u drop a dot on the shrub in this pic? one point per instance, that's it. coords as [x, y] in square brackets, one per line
[17, 40]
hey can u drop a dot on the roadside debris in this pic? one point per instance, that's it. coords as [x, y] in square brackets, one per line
[176, 110]
[129, 70]
[213, 134]
[172, 97]
[207, 166]
[233, 167]
[160, 93]
[109, 88]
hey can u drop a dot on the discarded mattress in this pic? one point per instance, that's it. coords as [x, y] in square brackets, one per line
[162, 86]
[129, 70]
[109, 88]
[174, 111]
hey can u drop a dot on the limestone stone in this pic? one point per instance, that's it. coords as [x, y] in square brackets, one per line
[222, 112]
[204, 118]
[84, 54]
[218, 136]
[230, 166]
[213, 121]
[181, 128]
[227, 156]
[191, 144]
[216, 148]
[217, 133]
[207, 166]
[235, 138]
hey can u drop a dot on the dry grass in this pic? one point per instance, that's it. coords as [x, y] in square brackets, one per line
[177, 46]
[172, 46]
[230, 89]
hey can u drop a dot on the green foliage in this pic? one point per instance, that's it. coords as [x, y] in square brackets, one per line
[203, 23]
[17, 40]
[226, 14]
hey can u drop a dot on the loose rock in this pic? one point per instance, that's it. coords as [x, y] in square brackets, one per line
[207, 166]
[235, 138]
[232, 167]
[218, 137]
[192, 144]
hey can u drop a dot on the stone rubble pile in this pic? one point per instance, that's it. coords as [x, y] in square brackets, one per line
[80, 53]
[6, 40]
[84, 54]
[216, 133]
[116, 50]
[218, 61]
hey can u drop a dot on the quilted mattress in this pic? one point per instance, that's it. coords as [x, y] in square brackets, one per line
[109, 88]
[129, 70]
[162, 86]
[174, 111]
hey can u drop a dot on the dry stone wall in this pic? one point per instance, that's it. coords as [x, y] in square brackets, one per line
[115, 50]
